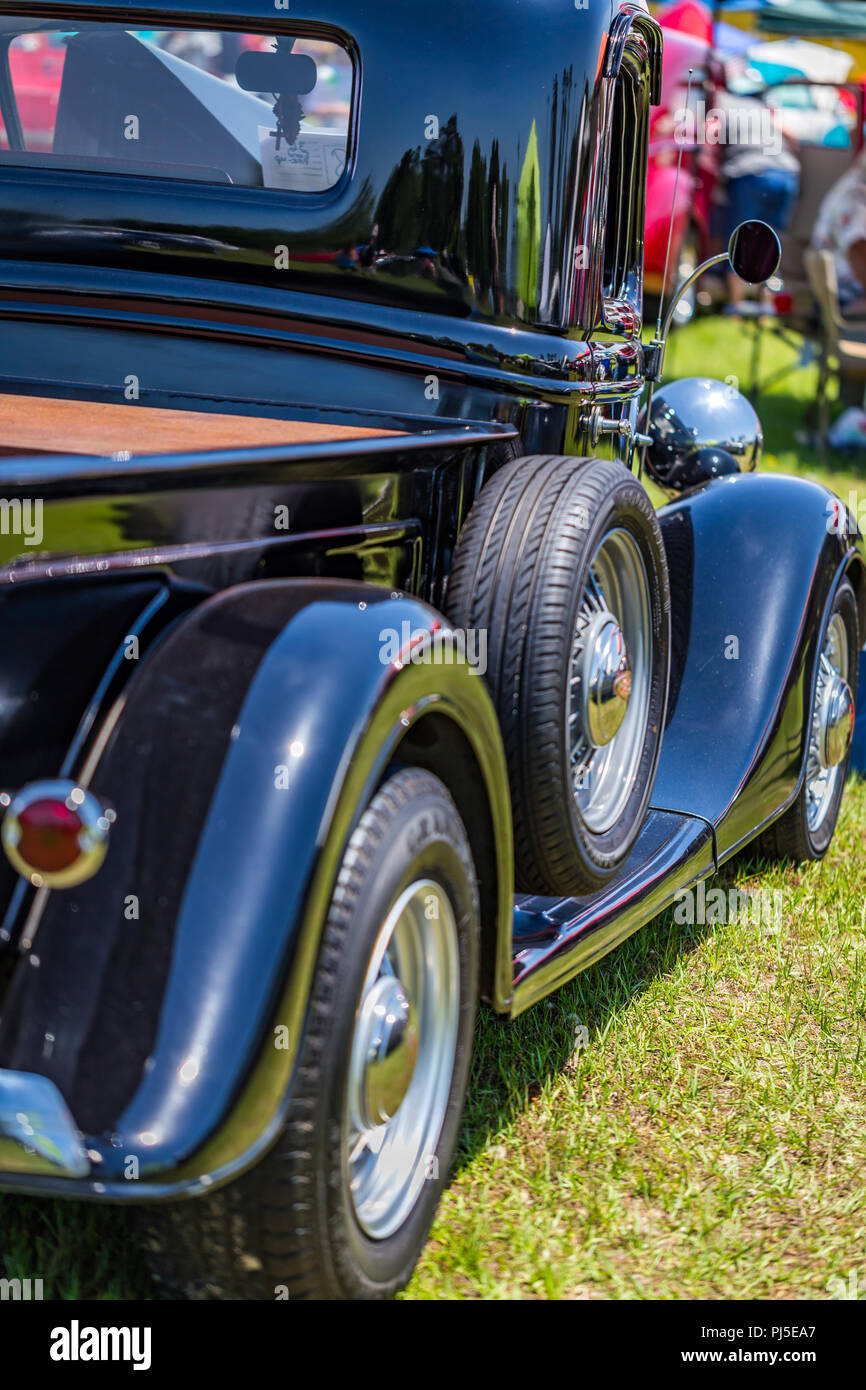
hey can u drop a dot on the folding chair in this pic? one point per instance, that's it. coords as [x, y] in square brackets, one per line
[842, 339]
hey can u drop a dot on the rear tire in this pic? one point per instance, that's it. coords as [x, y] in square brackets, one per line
[552, 548]
[308, 1222]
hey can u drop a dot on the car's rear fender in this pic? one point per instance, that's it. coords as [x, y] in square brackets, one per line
[174, 984]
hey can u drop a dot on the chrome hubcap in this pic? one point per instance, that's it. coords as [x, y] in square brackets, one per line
[386, 1042]
[605, 680]
[402, 1058]
[609, 687]
[837, 722]
[832, 725]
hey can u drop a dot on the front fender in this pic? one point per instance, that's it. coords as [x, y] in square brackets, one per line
[754, 560]
[197, 1092]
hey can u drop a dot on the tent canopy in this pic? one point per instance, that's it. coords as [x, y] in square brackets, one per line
[842, 19]
[787, 58]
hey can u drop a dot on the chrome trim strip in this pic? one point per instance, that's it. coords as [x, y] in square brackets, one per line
[195, 550]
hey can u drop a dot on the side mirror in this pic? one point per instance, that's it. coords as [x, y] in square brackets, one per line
[754, 252]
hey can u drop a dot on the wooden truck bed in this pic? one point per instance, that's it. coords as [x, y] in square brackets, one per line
[47, 425]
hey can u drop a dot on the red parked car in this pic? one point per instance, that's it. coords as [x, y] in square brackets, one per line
[36, 68]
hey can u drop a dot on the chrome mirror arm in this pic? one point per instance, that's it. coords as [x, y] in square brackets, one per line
[754, 254]
[655, 354]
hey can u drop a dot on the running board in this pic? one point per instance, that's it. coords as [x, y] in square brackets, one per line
[555, 938]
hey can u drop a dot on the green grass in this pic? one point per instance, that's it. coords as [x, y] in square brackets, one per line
[79, 1251]
[708, 1142]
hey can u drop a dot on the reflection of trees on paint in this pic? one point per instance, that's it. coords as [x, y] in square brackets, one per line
[562, 152]
[422, 200]
[529, 225]
[487, 223]
[563, 179]
[514, 234]
[546, 193]
[360, 214]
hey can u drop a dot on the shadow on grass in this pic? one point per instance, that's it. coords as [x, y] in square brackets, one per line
[513, 1062]
[78, 1250]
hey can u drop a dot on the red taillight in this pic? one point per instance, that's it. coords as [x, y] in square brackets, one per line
[49, 838]
[55, 833]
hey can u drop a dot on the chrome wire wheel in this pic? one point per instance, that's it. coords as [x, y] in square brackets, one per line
[831, 725]
[610, 680]
[402, 1058]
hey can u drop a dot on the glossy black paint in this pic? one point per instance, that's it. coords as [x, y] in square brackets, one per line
[204, 980]
[54, 699]
[177, 530]
[164, 1033]
[222, 953]
[493, 193]
[753, 567]
[555, 938]
[513, 195]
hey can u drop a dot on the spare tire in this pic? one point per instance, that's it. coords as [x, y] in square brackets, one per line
[561, 562]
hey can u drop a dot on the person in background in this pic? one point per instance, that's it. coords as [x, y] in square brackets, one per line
[759, 167]
[840, 228]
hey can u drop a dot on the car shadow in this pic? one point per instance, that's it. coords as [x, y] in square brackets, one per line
[513, 1061]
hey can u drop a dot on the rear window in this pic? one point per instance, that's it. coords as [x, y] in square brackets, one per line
[258, 110]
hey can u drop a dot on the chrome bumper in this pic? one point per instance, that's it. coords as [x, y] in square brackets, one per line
[37, 1132]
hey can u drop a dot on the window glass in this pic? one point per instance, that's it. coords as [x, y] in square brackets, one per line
[251, 109]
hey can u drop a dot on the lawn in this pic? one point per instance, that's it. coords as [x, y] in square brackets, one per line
[722, 347]
[684, 1120]
[708, 1140]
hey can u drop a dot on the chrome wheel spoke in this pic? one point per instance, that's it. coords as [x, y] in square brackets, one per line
[825, 755]
[606, 731]
[594, 592]
[357, 1145]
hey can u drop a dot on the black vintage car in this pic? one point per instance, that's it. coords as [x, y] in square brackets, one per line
[350, 675]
